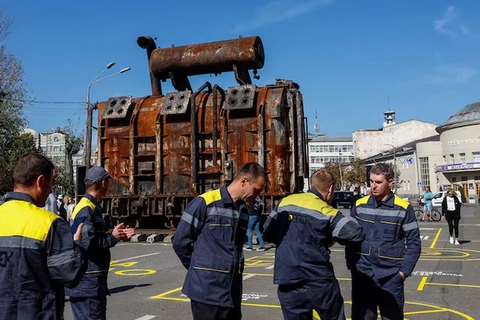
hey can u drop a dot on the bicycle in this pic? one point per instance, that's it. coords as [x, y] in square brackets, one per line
[436, 215]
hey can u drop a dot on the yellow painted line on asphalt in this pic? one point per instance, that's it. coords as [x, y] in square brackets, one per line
[162, 295]
[435, 309]
[453, 285]
[436, 238]
[422, 283]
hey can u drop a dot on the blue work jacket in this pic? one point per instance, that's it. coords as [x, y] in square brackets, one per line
[209, 242]
[303, 226]
[392, 237]
[37, 258]
[97, 243]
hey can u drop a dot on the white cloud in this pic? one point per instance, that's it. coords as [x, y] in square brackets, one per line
[448, 75]
[276, 11]
[451, 24]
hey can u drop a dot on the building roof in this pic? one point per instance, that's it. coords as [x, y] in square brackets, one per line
[408, 148]
[469, 113]
[332, 139]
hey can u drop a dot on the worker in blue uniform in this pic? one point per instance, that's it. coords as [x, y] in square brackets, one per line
[89, 299]
[303, 226]
[38, 254]
[389, 253]
[209, 242]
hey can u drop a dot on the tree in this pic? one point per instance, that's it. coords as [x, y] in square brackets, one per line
[12, 92]
[335, 169]
[356, 173]
[73, 145]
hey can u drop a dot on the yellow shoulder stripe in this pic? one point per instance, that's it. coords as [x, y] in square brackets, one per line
[84, 202]
[362, 200]
[24, 219]
[400, 202]
[309, 201]
[211, 196]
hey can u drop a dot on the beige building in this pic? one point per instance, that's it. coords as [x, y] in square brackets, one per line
[448, 160]
[459, 165]
[368, 143]
[52, 144]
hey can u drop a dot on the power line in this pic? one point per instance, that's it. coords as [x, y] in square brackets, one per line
[47, 102]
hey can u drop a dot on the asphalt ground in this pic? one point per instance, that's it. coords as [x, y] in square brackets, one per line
[145, 280]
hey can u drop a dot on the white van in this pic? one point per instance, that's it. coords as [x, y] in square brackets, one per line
[438, 197]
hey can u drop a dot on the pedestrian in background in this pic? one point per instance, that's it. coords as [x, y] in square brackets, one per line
[427, 207]
[389, 252]
[451, 212]
[254, 219]
[303, 226]
[51, 201]
[38, 255]
[89, 299]
[209, 242]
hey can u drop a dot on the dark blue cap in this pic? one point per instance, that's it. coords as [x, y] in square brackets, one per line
[96, 174]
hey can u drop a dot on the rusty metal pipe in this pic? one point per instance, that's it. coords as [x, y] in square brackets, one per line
[148, 43]
[208, 58]
[193, 120]
[216, 88]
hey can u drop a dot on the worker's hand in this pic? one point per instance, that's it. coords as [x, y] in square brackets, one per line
[78, 235]
[129, 232]
[402, 275]
[118, 232]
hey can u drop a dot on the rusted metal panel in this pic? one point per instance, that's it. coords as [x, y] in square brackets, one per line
[166, 149]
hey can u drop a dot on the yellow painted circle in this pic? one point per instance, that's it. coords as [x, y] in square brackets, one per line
[135, 272]
[450, 254]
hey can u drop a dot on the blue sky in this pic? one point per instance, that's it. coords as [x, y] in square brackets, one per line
[349, 57]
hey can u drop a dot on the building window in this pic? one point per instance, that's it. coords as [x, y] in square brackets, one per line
[444, 159]
[424, 171]
[476, 156]
[408, 185]
[56, 148]
[462, 157]
[452, 158]
[454, 179]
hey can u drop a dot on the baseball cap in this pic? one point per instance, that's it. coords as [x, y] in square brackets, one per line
[97, 174]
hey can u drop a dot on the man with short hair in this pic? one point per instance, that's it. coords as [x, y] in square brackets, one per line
[303, 226]
[209, 242]
[89, 299]
[389, 253]
[38, 255]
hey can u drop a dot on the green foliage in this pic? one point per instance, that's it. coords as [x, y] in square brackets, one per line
[12, 92]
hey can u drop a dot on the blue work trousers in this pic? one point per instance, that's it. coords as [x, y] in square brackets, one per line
[89, 308]
[369, 292]
[202, 311]
[299, 300]
[254, 222]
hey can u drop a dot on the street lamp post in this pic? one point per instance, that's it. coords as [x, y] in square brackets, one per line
[89, 111]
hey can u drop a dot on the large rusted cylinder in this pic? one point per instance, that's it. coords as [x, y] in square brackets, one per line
[207, 58]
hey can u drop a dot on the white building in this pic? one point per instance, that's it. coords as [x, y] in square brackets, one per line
[449, 160]
[326, 149]
[52, 144]
[367, 143]
[79, 160]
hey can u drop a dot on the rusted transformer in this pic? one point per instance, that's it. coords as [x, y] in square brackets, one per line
[165, 149]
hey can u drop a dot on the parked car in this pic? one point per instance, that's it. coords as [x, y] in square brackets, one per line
[438, 198]
[344, 198]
